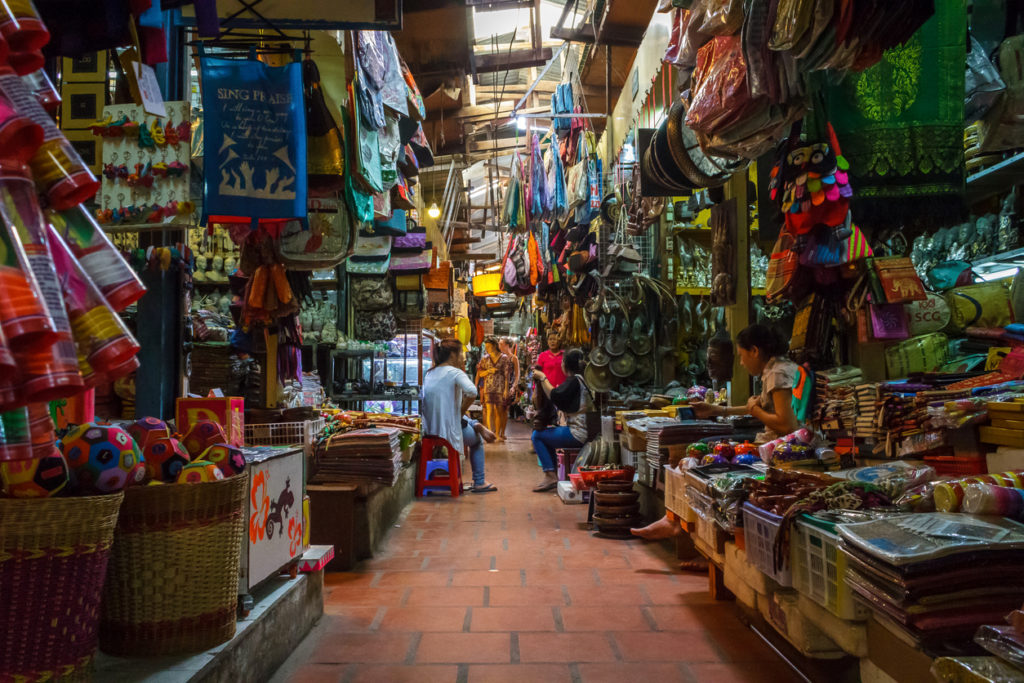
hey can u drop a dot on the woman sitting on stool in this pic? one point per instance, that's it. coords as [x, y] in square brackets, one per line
[572, 397]
[447, 393]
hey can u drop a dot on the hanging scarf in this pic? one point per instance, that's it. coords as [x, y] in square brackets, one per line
[901, 125]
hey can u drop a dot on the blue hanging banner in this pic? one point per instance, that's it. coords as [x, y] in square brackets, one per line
[255, 140]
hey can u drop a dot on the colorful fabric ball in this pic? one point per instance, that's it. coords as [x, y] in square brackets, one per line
[198, 472]
[202, 435]
[697, 450]
[102, 458]
[165, 458]
[35, 478]
[228, 459]
[148, 430]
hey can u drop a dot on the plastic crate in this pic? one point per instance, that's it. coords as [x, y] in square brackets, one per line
[629, 458]
[303, 434]
[675, 495]
[644, 472]
[820, 569]
[760, 529]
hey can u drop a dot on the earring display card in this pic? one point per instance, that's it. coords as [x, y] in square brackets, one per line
[146, 167]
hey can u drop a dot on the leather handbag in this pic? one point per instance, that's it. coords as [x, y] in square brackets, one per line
[371, 293]
[411, 304]
[898, 281]
[439, 277]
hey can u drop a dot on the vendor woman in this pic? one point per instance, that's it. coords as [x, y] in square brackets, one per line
[762, 353]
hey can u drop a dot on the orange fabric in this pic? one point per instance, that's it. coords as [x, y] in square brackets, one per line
[534, 252]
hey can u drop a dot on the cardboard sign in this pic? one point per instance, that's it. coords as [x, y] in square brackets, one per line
[143, 84]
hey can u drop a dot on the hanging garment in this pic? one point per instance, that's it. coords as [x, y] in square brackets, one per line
[253, 170]
[901, 123]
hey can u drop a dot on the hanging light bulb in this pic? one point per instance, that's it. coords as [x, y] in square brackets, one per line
[433, 211]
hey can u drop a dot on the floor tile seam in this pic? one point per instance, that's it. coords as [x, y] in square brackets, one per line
[414, 646]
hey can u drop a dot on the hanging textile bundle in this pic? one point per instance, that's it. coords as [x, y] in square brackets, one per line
[253, 171]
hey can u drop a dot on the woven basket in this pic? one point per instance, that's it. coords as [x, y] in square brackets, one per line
[172, 587]
[53, 558]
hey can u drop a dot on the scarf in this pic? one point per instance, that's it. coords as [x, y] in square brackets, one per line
[901, 125]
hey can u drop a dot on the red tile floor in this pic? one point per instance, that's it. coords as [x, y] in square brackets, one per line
[510, 586]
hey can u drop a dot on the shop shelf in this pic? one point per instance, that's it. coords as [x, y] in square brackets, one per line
[995, 179]
[760, 529]
[820, 571]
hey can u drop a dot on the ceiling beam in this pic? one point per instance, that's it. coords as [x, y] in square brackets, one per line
[518, 59]
[462, 258]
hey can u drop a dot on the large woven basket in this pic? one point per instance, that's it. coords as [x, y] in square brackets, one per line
[53, 558]
[172, 587]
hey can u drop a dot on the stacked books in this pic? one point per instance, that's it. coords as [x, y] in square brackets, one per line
[360, 456]
[934, 578]
[835, 403]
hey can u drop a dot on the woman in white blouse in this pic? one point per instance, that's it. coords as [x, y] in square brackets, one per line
[447, 393]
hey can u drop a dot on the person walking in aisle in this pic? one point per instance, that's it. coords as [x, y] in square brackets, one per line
[492, 376]
[447, 393]
[574, 399]
[762, 351]
[508, 351]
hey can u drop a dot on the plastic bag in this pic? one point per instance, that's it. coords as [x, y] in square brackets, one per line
[982, 305]
[1004, 642]
[983, 84]
[719, 95]
[693, 39]
[974, 670]
[722, 17]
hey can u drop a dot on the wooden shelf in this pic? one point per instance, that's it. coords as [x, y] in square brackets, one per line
[995, 179]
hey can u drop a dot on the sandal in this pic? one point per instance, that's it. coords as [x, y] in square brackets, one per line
[486, 488]
[545, 487]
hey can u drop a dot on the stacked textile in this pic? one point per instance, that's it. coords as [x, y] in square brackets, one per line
[866, 397]
[665, 435]
[362, 455]
[934, 578]
[835, 404]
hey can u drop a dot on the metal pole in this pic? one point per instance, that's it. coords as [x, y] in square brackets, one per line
[538, 79]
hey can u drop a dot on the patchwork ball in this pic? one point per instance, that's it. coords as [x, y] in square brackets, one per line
[202, 435]
[697, 450]
[198, 472]
[102, 458]
[165, 458]
[36, 477]
[148, 430]
[228, 459]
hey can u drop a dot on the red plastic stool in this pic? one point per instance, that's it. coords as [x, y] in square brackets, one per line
[427, 465]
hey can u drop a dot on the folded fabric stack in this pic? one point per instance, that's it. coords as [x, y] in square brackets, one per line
[667, 434]
[362, 455]
[934, 578]
[835, 404]
[866, 396]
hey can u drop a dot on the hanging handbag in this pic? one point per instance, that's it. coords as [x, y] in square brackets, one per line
[395, 226]
[410, 264]
[811, 183]
[784, 279]
[830, 247]
[376, 326]
[898, 281]
[440, 275]
[365, 148]
[408, 283]
[325, 148]
[371, 293]
[371, 248]
[324, 244]
[414, 241]
[888, 321]
[411, 304]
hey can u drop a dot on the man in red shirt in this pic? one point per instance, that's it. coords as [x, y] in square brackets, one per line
[550, 363]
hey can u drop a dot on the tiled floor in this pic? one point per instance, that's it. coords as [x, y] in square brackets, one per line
[510, 586]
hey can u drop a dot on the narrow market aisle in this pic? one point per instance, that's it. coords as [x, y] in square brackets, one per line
[510, 586]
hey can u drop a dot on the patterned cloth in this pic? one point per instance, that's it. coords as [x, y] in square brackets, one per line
[497, 386]
[900, 124]
[779, 373]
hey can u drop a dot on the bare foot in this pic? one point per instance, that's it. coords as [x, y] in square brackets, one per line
[659, 530]
[485, 433]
